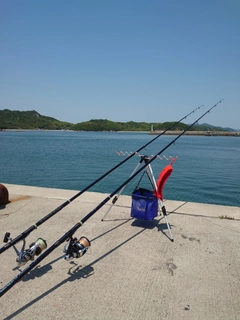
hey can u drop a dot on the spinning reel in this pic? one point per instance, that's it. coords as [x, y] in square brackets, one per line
[76, 248]
[25, 255]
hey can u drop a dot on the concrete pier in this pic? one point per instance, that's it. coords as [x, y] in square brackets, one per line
[200, 133]
[132, 270]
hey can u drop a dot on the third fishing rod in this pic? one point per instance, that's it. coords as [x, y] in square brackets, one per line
[77, 248]
[40, 242]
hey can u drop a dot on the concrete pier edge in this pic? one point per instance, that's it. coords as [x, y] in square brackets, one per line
[132, 270]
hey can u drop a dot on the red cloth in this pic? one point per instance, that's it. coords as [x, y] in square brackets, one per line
[164, 175]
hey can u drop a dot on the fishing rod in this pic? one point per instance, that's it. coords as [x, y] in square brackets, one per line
[37, 247]
[77, 248]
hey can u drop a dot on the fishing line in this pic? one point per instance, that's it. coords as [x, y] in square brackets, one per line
[83, 243]
[11, 242]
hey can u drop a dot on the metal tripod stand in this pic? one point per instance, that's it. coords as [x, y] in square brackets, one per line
[149, 172]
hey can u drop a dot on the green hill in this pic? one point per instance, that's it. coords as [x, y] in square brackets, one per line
[33, 120]
[29, 120]
[107, 125]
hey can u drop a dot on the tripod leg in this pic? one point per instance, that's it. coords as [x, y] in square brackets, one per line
[165, 216]
[160, 204]
[113, 202]
[118, 195]
[159, 208]
[151, 177]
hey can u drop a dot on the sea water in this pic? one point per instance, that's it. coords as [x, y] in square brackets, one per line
[207, 169]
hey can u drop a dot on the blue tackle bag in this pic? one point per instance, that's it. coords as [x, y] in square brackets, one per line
[144, 204]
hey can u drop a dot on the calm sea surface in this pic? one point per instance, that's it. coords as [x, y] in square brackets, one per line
[207, 169]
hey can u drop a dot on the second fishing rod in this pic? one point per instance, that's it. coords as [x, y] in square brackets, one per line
[27, 254]
[77, 248]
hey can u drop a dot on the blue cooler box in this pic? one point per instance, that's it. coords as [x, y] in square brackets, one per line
[144, 204]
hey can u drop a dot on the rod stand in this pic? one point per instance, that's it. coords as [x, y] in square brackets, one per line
[149, 172]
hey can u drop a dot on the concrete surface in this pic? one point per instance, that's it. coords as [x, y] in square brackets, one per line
[132, 270]
[199, 133]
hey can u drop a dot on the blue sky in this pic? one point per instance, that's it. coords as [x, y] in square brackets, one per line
[121, 60]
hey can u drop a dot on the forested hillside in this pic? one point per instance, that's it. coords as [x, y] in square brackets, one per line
[33, 120]
[29, 120]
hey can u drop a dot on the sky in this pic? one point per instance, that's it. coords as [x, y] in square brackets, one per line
[122, 60]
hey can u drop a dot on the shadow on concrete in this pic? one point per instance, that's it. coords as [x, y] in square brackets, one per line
[39, 271]
[151, 224]
[114, 228]
[74, 274]
[174, 211]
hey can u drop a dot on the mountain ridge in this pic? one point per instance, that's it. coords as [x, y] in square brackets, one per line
[33, 120]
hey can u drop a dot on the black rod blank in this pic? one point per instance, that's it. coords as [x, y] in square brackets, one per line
[69, 233]
[24, 234]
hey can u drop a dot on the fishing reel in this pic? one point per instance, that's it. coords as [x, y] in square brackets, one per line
[35, 249]
[75, 248]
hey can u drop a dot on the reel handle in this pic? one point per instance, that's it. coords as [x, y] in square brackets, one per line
[6, 237]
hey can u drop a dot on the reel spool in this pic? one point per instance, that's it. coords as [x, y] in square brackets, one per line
[76, 248]
[35, 249]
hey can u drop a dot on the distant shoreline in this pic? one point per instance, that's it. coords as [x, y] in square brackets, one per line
[176, 133]
[200, 133]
